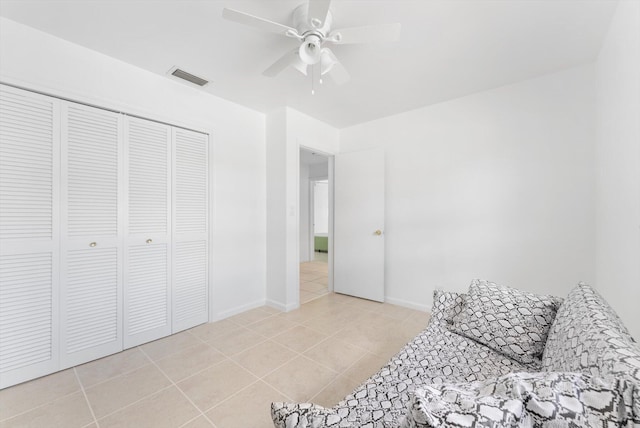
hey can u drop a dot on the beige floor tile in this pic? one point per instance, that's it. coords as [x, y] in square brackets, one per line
[123, 390]
[166, 346]
[251, 407]
[236, 341]
[329, 323]
[306, 312]
[272, 326]
[37, 392]
[165, 409]
[251, 316]
[323, 280]
[211, 386]
[313, 287]
[310, 276]
[335, 354]
[335, 391]
[264, 358]
[395, 312]
[300, 379]
[270, 310]
[212, 330]
[187, 361]
[306, 296]
[114, 365]
[365, 367]
[69, 411]
[368, 305]
[300, 338]
[199, 422]
[419, 317]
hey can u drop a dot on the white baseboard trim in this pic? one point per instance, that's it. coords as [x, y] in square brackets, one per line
[281, 306]
[239, 309]
[407, 304]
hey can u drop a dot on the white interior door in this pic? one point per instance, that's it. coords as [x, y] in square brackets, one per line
[29, 235]
[147, 289]
[359, 224]
[190, 229]
[91, 275]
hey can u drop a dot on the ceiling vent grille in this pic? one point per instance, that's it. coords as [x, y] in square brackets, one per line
[181, 74]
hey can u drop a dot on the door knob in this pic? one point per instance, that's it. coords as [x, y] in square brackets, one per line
[149, 241]
[378, 232]
[93, 244]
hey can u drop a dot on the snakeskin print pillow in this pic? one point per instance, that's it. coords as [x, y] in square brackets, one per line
[545, 399]
[446, 306]
[512, 322]
[306, 415]
[585, 328]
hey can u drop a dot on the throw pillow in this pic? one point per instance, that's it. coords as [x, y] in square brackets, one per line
[585, 328]
[512, 322]
[543, 399]
[446, 306]
[306, 415]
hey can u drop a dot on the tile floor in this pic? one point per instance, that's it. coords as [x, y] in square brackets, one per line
[313, 279]
[224, 374]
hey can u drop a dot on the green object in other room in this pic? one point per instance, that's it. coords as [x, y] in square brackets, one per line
[321, 243]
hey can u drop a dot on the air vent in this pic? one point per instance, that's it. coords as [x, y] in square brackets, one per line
[181, 74]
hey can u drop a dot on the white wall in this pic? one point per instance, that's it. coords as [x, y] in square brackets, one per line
[618, 166]
[39, 61]
[287, 131]
[321, 208]
[497, 185]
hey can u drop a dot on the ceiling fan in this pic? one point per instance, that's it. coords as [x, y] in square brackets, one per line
[312, 26]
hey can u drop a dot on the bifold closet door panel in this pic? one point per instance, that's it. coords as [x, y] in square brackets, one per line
[92, 254]
[147, 297]
[191, 229]
[29, 235]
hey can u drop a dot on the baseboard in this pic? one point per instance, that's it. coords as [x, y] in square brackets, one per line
[407, 304]
[239, 309]
[281, 306]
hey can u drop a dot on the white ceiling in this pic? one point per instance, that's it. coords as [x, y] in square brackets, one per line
[447, 49]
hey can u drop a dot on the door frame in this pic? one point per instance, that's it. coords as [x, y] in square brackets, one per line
[330, 183]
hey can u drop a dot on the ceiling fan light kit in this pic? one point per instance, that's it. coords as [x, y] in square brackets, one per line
[311, 25]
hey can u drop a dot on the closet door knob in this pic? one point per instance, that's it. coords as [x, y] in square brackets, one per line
[149, 241]
[93, 244]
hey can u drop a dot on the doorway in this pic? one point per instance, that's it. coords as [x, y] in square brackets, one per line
[314, 225]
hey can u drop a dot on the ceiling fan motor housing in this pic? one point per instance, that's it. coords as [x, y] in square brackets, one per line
[305, 24]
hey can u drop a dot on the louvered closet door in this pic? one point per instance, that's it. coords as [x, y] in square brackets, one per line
[190, 232]
[91, 297]
[29, 235]
[147, 310]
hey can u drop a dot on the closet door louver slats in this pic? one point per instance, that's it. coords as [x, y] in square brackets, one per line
[91, 292]
[29, 235]
[190, 235]
[147, 297]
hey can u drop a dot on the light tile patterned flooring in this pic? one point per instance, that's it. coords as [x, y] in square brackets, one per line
[224, 374]
[313, 279]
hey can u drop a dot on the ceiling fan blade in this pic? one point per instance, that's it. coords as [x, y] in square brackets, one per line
[283, 62]
[317, 13]
[260, 23]
[366, 34]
